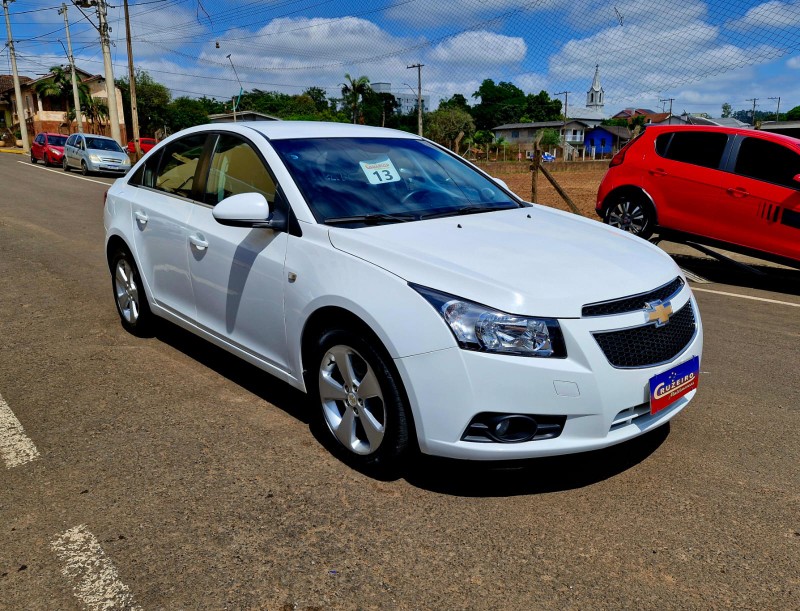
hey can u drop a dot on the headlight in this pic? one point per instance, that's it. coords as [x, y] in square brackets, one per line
[56, 151]
[126, 161]
[95, 158]
[477, 327]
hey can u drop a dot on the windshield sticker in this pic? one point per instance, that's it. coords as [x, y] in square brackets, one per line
[379, 172]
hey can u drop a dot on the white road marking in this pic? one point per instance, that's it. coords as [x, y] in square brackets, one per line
[94, 578]
[764, 299]
[63, 173]
[16, 448]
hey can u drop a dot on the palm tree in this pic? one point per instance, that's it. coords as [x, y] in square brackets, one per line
[95, 111]
[59, 86]
[353, 90]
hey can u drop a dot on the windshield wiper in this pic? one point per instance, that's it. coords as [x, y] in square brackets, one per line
[373, 218]
[471, 209]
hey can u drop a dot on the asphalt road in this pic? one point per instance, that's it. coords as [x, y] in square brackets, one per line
[169, 475]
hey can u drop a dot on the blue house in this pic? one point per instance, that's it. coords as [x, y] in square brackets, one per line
[605, 139]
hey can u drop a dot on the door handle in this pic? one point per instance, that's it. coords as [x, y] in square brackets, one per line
[198, 242]
[658, 172]
[738, 192]
[141, 217]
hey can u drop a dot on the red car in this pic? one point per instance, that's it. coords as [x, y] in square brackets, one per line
[48, 148]
[144, 143]
[738, 189]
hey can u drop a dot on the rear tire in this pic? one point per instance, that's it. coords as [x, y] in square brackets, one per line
[631, 212]
[359, 407]
[129, 295]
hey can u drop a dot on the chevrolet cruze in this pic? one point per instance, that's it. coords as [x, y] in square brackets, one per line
[418, 301]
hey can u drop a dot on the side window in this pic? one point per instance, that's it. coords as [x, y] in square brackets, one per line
[768, 161]
[40, 139]
[236, 168]
[70, 141]
[698, 148]
[178, 165]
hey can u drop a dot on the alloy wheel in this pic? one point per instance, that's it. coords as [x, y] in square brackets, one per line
[126, 291]
[629, 216]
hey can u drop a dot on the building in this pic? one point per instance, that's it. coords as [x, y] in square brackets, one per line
[605, 140]
[407, 101]
[595, 97]
[49, 114]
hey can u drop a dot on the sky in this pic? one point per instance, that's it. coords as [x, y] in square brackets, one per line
[693, 55]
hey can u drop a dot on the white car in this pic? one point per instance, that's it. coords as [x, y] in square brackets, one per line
[417, 300]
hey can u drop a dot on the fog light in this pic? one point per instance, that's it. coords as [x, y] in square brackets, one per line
[513, 428]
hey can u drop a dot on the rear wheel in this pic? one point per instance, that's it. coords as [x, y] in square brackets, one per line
[360, 408]
[631, 212]
[129, 296]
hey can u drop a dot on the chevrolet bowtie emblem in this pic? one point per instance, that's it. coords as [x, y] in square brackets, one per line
[658, 311]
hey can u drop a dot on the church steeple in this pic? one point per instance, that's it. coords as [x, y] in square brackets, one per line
[595, 95]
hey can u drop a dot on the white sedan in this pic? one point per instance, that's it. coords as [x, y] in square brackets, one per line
[417, 300]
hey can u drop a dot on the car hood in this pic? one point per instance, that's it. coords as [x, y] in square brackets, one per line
[535, 261]
[107, 154]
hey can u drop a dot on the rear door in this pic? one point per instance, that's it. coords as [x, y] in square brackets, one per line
[685, 179]
[764, 190]
[161, 206]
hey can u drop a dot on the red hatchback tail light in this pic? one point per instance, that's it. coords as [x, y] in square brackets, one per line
[618, 158]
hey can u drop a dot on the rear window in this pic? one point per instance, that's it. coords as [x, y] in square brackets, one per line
[698, 148]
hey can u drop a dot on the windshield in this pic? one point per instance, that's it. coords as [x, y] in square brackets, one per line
[103, 144]
[356, 181]
[56, 140]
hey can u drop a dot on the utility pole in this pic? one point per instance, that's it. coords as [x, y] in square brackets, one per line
[419, 95]
[670, 100]
[105, 43]
[132, 85]
[75, 97]
[753, 116]
[235, 102]
[564, 125]
[778, 110]
[23, 126]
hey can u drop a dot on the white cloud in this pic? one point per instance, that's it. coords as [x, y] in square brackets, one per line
[479, 49]
[793, 63]
[773, 14]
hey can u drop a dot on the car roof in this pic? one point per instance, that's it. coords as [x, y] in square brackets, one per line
[285, 130]
[97, 136]
[654, 130]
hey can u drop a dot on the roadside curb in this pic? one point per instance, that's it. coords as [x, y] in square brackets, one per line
[12, 151]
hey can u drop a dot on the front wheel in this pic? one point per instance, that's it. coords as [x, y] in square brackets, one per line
[64, 165]
[33, 159]
[632, 213]
[84, 168]
[129, 296]
[361, 408]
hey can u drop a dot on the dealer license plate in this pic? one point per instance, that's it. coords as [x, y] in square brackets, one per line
[671, 385]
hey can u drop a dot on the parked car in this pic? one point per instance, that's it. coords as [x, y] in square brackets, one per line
[548, 157]
[92, 153]
[48, 148]
[734, 188]
[418, 301]
[144, 143]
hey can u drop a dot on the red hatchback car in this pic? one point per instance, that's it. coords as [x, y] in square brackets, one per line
[144, 143]
[48, 148]
[738, 189]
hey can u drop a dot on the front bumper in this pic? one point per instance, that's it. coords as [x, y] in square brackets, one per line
[106, 166]
[603, 405]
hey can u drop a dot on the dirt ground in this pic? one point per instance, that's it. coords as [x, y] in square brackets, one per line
[580, 185]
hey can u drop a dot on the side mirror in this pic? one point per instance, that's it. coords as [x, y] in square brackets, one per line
[502, 183]
[796, 178]
[246, 210]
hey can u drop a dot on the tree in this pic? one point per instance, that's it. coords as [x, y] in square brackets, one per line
[550, 137]
[377, 108]
[499, 104]
[353, 90]
[484, 137]
[185, 112]
[59, 86]
[319, 96]
[152, 102]
[455, 101]
[445, 125]
[793, 114]
[726, 110]
[540, 107]
[95, 111]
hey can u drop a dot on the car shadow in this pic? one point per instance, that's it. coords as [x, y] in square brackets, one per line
[444, 476]
[531, 476]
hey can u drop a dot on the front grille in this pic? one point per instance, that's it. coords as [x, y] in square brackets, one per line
[649, 345]
[634, 302]
[110, 160]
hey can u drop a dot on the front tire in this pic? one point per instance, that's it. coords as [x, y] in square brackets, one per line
[129, 296]
[33, 159]
[64, 164]
[360, 408]
[631, 212]
[84, 168]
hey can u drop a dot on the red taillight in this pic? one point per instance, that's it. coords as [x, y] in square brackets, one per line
[618, 158]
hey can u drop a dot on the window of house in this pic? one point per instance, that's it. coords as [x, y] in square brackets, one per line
[698, 148]
[602, 142]
[768, 161]
[515, 133]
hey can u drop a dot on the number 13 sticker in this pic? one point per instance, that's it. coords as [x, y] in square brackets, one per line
[379, 172]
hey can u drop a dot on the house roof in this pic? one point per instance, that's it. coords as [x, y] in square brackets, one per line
[7, 81]
[578, 113]
[626, 113]
[623, 133]
[539, 125]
